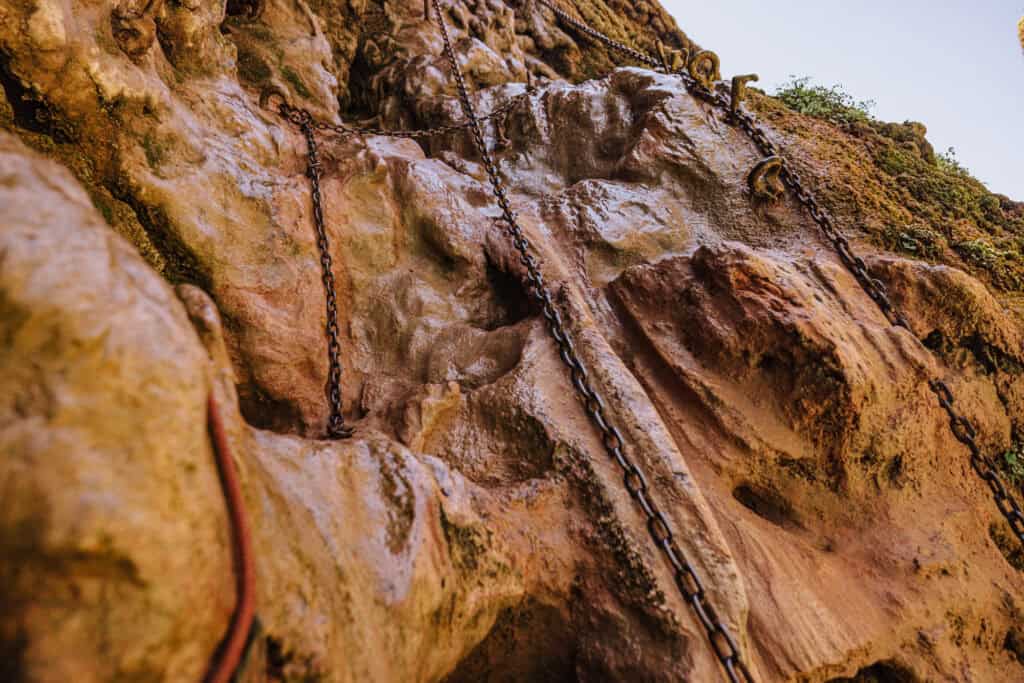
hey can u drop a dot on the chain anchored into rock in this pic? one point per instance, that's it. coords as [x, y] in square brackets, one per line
[686, 578]
[672, 60]
[764, 180]
[699, 73]
[704, 68]
[308, 125]
[961, 427]
[336, 427]
[739, 90]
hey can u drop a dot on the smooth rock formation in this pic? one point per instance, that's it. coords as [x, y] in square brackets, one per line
[157, 244]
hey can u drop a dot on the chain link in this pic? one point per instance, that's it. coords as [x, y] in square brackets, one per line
[584, 28]
[961, 427]
[336, 427]
[686, 577]
[982, 465]
[295, 115]
[303, 119]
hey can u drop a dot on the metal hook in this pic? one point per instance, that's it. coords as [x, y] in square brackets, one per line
[661, 56]
[296, 115]
[272, 91]
[764, 179]
[672, 60]
[739, 90]
[704, 68]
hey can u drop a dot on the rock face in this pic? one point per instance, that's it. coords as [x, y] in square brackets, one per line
[473, 529]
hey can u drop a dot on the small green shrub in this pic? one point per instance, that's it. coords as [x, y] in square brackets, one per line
[948, 162]
[918, 240]
[829, 103]
[1013, 465]
[155, 149]
[300, 88]
[1006, 265]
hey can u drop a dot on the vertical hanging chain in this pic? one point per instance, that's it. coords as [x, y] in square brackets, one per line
[961, 427]
[336, 427]
[686, 577]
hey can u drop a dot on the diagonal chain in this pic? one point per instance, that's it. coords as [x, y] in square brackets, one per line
[635, 55]
[686, 578]
[961, 427]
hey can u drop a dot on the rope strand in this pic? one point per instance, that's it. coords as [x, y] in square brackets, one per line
[234, 643]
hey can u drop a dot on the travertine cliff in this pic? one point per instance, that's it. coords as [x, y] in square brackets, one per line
[157, 244]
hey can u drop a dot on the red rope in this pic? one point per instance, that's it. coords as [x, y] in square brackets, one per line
[234, 642]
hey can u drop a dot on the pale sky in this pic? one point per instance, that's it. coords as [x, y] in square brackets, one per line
[954, 65]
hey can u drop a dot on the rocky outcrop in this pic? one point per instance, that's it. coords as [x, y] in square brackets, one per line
[473, 529]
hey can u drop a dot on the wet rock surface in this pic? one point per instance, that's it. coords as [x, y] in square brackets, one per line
[157, 244]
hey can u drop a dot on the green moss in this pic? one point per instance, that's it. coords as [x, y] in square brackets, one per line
[465, 544]
[1005, 265]
[1012, 463]
[828, 103]
[983, 228]
[156, 151]
[890, 183]
[894, 161]
[296, 82]
[251, 67]
[916, 240]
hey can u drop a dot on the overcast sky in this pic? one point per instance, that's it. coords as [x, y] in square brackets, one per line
[954, 65]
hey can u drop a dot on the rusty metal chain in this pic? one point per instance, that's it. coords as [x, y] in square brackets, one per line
[336, 427]
[497, 112]
[308, 125]
[686, 578]
[961, 427]
[584, 28]
[982, 465]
